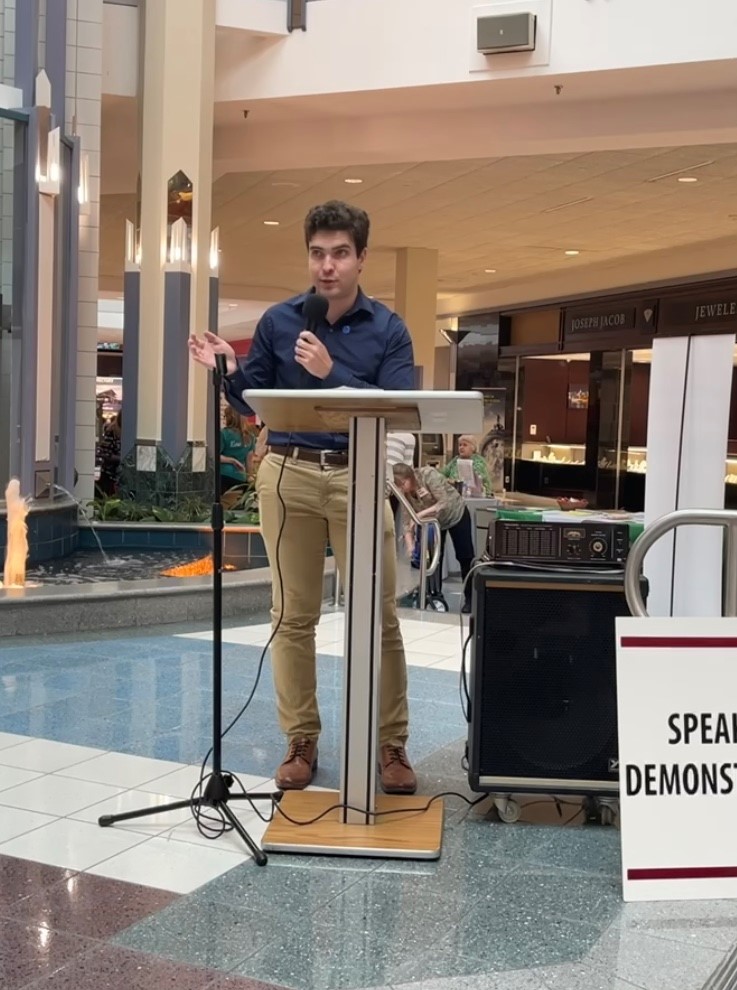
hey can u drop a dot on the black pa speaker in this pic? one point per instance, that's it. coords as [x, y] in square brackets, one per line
[543, 710]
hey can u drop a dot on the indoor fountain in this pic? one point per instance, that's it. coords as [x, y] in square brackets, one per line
[16, 551]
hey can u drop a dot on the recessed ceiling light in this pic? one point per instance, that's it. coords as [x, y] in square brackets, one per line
[353, 182]
[572, 254]
[271, 223]
[232, 305]
[490, 271]
[687, 178]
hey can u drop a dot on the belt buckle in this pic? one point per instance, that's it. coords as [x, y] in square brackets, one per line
[324, 462]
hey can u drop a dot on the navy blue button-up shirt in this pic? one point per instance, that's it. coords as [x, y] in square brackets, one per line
[370, 347]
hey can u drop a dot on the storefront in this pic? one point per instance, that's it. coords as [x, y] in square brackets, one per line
[573, 382]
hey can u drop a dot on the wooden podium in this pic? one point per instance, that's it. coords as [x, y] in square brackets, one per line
[365, 415]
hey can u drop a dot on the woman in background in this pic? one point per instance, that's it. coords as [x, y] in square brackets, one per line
[468, 451]
[433, 497]
[236, 447]
[110, 457]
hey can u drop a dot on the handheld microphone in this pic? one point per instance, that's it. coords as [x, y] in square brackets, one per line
[314, 310]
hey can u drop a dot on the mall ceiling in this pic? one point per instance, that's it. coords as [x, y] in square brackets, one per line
[623, 211]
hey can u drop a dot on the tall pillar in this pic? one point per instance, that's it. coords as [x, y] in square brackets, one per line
[83, 119]
[415, 299]
[168, 461]
[688, 418]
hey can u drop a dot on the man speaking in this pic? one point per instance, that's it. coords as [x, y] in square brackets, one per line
[331, 336]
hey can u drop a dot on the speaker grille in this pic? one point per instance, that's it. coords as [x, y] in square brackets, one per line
[544, 699]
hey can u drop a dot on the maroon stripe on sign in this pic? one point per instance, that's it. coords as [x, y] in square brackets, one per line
[684, 873]
[681, 642]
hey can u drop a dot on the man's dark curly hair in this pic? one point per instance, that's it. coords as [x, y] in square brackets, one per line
[336, 215]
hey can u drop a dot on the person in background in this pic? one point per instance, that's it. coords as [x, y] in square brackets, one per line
[468, 451]
[261, 449]
[433, 497]
[400, 449]
[236, 447]
[110, 456]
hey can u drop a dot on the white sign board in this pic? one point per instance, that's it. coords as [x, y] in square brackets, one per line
[677, 714]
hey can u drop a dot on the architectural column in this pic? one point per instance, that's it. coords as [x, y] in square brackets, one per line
[688, 418]
[415, 299]
[168, 460]
[83, 120]
[7, 178]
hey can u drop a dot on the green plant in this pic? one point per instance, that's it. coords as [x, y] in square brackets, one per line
[114, 509]
[243, 508]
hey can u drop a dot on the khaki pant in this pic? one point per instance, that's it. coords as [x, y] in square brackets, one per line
[316, 501]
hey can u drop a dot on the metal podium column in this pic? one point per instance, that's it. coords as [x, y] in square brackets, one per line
[363, 584]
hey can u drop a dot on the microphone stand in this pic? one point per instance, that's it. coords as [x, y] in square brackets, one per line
[217, 789]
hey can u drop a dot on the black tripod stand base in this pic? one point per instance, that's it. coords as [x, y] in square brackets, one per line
[217, 795]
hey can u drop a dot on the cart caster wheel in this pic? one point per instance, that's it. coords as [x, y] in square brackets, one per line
[607, 813]
[508, 809]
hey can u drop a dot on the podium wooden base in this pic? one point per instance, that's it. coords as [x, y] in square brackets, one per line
[404, 835]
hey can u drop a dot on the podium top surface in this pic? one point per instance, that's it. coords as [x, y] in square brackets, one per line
[331, 410]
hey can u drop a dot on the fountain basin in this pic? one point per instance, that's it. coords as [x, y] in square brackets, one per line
[53, 529]
[72, 606]
[243, 546]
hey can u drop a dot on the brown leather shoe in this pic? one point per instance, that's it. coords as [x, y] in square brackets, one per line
[298, 766]
[395, 771]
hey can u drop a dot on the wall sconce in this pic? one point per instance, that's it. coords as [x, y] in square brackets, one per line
[214, 249]
[83, 190]
[179, 243]
[48, 167]
[132, 247]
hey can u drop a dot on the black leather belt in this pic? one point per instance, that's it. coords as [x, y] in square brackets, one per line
[325, 458]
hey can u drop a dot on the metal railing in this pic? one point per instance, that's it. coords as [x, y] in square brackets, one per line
[426, 569]
[723, 518]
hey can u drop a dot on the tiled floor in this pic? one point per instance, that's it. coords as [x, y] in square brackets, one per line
[102, 725]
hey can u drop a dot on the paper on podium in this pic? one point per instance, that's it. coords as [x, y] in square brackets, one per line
[330, 410]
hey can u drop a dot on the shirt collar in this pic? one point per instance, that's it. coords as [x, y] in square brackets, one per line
[362, 303]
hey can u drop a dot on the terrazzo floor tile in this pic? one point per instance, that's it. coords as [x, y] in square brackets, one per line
[651, 963]
[8, 739]
[108, 967]
[499, 942]
[711, 924]
[47, 757]
[29, 952]
[120, 770]
[15, 821]
[134, 800]
[280, 889]
[53, 794]
[239, 983]
[92, 906]
[20, 878]
[167, 865]
[214, 935]
[483, 981]
[307, 957]
[72, 845]
[12, 777]
[587, 849]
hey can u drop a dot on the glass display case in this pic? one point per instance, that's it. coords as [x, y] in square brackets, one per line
[553, 453]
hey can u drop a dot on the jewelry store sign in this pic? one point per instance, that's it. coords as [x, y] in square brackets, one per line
[699, 312]
[610, 319]
[677, 717]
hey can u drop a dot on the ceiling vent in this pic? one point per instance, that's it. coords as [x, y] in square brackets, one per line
[503, 33]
